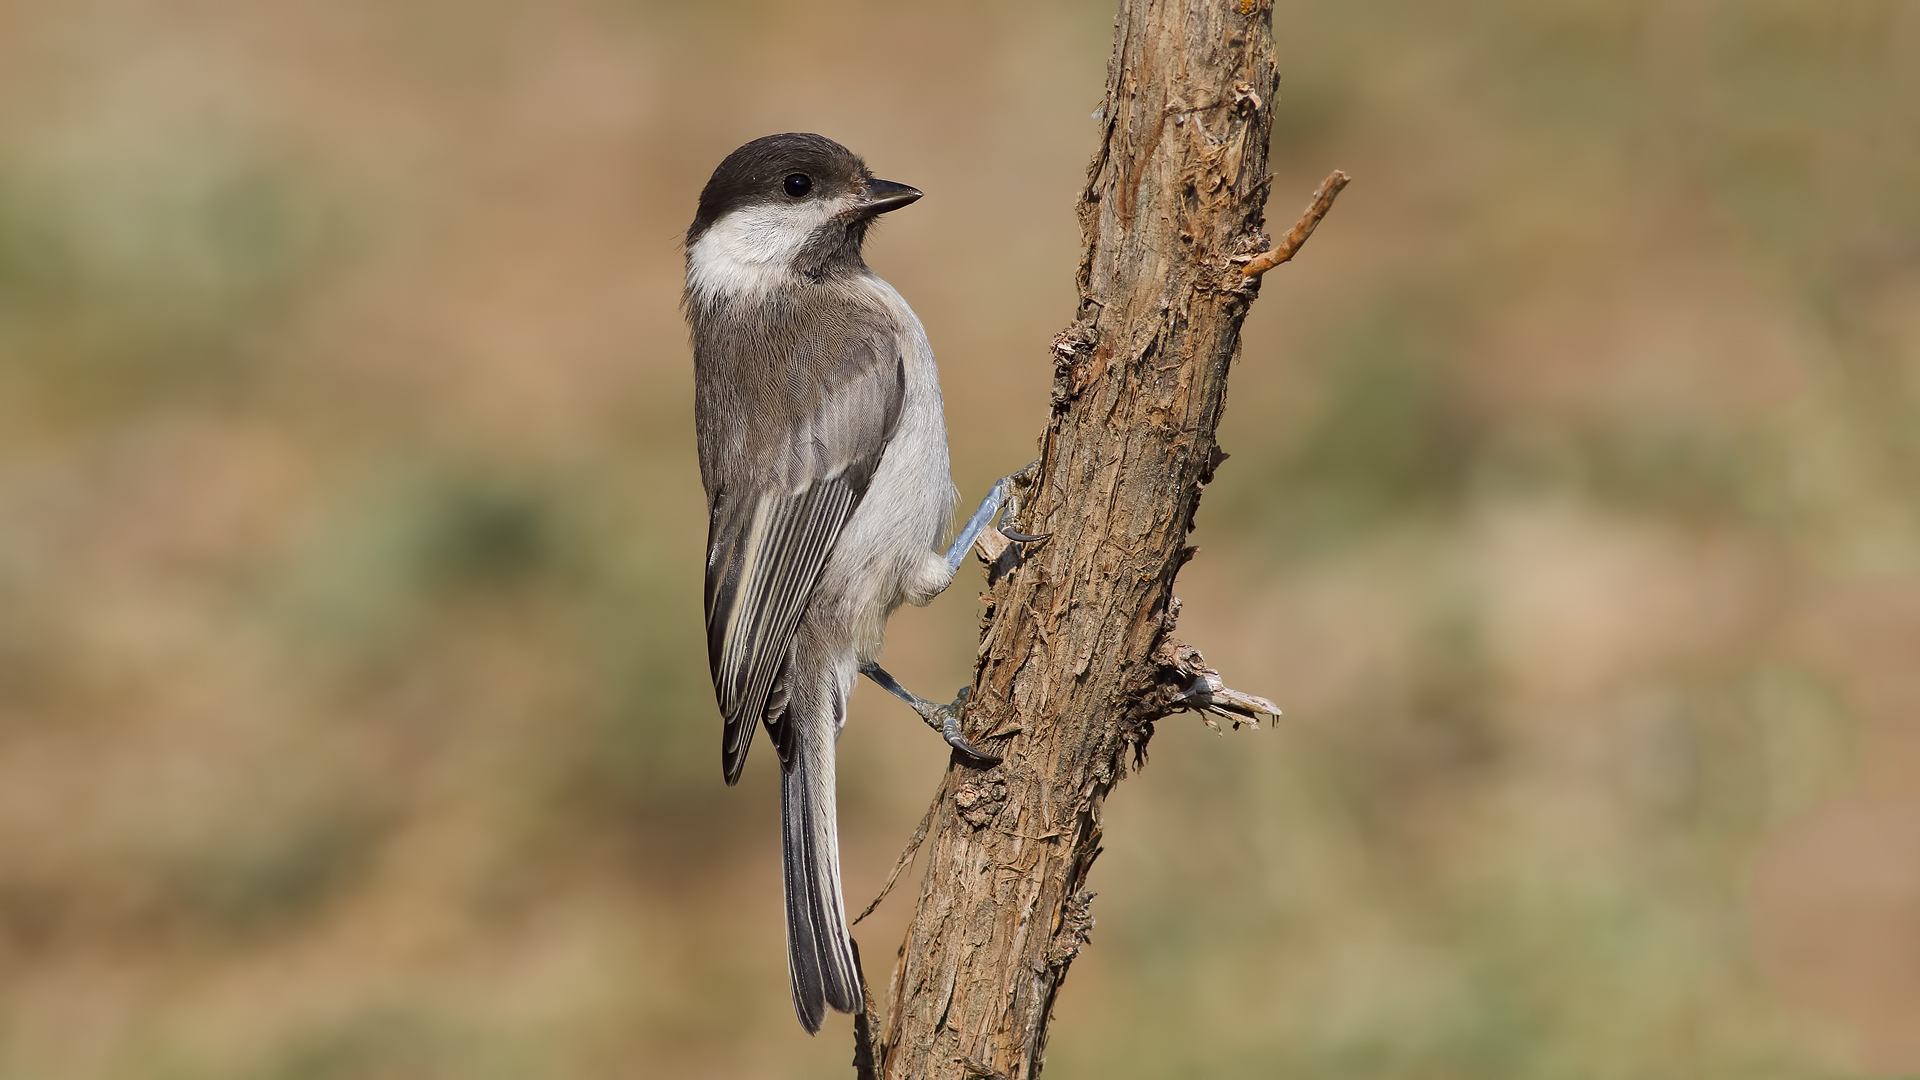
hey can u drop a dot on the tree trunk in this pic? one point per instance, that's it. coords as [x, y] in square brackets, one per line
[1075, 661]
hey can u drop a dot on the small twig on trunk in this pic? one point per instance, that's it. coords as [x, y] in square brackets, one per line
[906, 856]
[869, 1061]
[1289, 244]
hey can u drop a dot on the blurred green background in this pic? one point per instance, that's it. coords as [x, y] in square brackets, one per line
[353, 716]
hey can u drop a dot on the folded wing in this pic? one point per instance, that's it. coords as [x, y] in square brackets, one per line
[780, 497]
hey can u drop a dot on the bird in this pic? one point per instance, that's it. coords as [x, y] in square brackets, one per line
[823, 453]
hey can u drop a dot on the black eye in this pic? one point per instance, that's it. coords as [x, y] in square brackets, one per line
[798, 184]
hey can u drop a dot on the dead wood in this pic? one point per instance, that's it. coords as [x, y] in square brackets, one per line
[1323, 197]
[1075, 661]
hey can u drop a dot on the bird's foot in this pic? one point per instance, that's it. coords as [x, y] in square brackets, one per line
[1002, 501]
[945, 719]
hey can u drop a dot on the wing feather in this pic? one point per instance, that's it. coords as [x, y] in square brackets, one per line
[787, 461]
[764, 563]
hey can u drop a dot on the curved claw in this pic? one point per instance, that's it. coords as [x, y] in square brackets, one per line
[946, 720]
[950, 730]
[1024, 538]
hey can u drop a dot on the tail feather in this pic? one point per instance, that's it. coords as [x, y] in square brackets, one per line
[819, 947]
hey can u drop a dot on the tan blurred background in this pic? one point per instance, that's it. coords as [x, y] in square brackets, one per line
[353, 716]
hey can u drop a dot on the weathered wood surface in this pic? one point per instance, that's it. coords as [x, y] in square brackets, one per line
[1075, 660]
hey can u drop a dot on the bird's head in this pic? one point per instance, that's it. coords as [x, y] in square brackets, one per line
[780, 210]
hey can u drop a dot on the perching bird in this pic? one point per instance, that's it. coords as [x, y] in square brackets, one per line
[823, 449]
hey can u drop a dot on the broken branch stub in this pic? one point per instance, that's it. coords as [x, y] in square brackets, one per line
[1289, 245]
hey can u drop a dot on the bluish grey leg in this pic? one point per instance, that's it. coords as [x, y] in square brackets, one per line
[989, 509]
[944, 719]
[997, 502]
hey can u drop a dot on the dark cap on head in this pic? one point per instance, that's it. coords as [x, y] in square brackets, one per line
[792, 166]
[758, 171]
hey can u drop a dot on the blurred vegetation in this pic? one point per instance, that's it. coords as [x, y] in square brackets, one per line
[353, 710]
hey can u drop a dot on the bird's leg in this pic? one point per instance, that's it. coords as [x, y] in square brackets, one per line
[944, 719]
[989, 509]
[999, 500]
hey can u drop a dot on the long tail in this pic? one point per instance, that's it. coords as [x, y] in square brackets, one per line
[819, 948]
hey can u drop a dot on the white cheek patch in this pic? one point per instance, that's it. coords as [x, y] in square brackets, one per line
[749, 252]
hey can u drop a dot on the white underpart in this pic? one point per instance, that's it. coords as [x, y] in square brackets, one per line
[749, 252]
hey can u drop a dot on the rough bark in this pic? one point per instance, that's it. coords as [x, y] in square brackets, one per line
[1075, 661]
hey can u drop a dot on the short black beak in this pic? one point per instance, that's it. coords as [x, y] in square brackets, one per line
[881, 196]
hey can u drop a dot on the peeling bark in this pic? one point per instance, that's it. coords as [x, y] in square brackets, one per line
[1075, 662]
